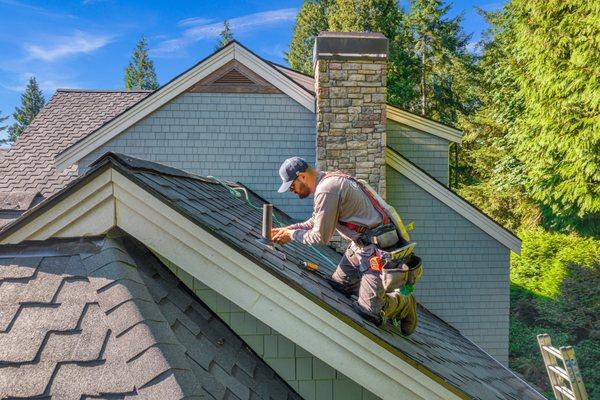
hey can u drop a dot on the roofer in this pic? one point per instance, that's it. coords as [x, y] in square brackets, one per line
[342, 203]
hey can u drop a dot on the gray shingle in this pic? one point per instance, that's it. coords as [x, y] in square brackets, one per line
[102, 333]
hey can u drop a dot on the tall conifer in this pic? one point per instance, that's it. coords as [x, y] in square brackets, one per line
[32, 102]
[438, 47]
[140, 74]
[225, 36]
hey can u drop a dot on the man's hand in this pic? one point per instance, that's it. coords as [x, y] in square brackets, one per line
[281, 235]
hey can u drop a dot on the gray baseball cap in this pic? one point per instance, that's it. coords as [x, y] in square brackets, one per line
[289, 170]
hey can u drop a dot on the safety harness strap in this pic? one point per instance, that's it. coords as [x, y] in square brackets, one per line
[372, 199]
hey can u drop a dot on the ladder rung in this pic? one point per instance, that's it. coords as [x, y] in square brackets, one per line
[565, 391]
[553, 351]
[559, 371]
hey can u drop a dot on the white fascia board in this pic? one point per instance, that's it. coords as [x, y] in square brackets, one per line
[88, 211]
[423, 124]
[267, 298]
[173, 89]
[453, 201]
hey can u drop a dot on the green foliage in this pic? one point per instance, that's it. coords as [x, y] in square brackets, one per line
[444, 67]
[32, 102]
[555, 59]
[537, 126]
[555, 289]
[140, 74]
[444, 63]
[311, 20]
[225, 36]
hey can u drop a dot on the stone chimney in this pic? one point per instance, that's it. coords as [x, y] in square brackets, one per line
[350, 80]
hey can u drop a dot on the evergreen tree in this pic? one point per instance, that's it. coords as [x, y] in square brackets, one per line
[311, 20]
[536, 131]
[140, 74]
[555, 61]
[360, 16]
[3, 127]
[444, 67]
[32, 102]
[226, 36]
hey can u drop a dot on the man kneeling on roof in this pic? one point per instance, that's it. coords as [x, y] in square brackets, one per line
[342, 203]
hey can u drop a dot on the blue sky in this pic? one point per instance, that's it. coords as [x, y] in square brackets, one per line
[88, 43]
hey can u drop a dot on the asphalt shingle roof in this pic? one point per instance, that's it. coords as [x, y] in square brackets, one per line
[435, 346]
[69, 115]
[102, 317]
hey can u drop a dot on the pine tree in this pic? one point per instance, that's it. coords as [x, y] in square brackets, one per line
[311, 20]
[140, 74]
[32, 102]
[438, 47]
[226, 36]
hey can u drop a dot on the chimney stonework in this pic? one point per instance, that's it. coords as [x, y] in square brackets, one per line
[350, 80]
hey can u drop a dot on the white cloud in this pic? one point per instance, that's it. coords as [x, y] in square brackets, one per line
[38, 10]
[200, 28]
[195, 21]
[47, 82]
[64, 46]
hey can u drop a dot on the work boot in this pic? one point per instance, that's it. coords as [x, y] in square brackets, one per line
[402, 308]
[408, 320]
[393, 305]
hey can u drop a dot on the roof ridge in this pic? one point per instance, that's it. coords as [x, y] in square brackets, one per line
[75, 90]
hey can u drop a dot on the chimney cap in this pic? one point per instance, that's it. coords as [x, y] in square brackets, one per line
[351, 46]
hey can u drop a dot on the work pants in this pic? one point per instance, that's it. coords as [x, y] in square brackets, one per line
[353, 272]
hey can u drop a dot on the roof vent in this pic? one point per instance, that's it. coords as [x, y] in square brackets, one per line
[234, 77]
[267, 225]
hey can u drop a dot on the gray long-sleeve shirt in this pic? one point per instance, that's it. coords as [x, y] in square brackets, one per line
[337, 199]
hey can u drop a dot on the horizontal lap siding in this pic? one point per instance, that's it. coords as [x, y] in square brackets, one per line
[427, 151]
[466, 278]
[234, 136]
[309, 376]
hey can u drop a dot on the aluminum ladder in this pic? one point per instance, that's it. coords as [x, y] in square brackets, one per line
[563, 371]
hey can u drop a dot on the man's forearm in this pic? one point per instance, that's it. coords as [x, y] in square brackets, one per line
[307, 236]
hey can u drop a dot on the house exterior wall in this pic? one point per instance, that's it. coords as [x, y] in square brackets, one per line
[309, 376]
[233, 136]
[466, 276]
[427, 151]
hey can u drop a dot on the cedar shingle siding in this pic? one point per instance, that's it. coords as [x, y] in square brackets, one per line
[428, 152]
[466, 271]
[241, 137]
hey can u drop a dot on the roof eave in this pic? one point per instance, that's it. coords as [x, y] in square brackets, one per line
[452, 200]
[424, 124]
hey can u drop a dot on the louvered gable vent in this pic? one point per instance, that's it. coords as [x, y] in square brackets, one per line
[234, 77]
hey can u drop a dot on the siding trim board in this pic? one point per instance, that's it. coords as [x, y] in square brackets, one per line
[452, 200]
[424, 124]
[233, 51]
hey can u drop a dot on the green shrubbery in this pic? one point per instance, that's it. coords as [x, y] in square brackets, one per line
[555, 289]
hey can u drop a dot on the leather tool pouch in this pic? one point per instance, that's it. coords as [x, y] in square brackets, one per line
[397, 274]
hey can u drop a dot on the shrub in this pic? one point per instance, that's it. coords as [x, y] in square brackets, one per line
[555, 289]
